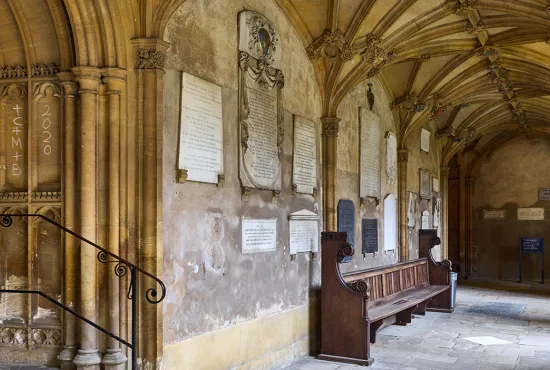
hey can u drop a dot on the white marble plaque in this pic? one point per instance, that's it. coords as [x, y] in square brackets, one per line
[201, 130]
[304, 172]
[391, 158]
[390, 223]
[425, 220]
[530, 214]
[260, 149]
[425, 140]
[304, 232]
[370, 154]
[435, 185]
[259, 236]
[411, 210]
[494, 214]
[425, 187]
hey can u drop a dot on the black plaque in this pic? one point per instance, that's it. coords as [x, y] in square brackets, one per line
[346, 219]
[369, 230]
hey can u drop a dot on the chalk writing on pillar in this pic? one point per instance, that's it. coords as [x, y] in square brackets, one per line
[47, 135]
[16, 143]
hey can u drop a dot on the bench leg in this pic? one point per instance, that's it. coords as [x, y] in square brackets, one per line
[421, 309]
[374, 326]
[405, 317]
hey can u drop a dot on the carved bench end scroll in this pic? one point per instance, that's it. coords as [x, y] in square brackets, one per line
[345, 253]
[446, 264]
[361, 287]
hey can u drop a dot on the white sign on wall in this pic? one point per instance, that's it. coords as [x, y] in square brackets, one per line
[530, 214]
[259, 236]
[425, 140]
[390, 222]
[304, 232]
[304, 168]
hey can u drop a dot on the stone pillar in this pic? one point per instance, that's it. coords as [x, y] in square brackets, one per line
[150, 69]
[469, 185]
[462, 218]
[88, 356]
[70, 220]
[115, 79]
[330, 137]
[403, 160]
[444, 188]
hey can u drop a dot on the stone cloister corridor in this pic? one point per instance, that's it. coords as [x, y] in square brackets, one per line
[258, 184]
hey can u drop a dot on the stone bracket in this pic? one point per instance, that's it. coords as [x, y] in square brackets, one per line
[368, 200]
[276, 196]
[181, 176]
[221, 181]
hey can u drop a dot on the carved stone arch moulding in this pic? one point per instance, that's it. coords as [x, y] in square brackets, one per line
[14, 91]
[261, 126]
[48, 212]
[46, 89]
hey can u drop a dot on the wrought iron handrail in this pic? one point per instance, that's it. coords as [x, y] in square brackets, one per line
[121, 269]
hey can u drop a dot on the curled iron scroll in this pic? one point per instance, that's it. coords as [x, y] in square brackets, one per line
[6, 221]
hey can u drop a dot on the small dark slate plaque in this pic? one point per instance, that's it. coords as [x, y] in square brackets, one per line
[346, 219]
[369, 231]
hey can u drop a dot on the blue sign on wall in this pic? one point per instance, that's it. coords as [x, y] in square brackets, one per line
[532, 245]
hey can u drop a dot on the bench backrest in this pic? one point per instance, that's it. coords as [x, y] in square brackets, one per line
[387, 281]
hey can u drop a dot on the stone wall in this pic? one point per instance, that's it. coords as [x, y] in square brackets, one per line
[214, 291]
[508, 180]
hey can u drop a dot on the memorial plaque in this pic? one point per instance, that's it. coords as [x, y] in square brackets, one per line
[259, 236]
[370, 154]
[425, 192]
[304, 232]
[304, 172]
[532, 245]
[544, 193]
[201, 131]
[425, 220]
[425, 136]
[435, 185]
[369, 231]
[346, 219]
[261, 128]
[411, 210]
[391, 158]
[530, 214]
[494, 214]
[390, 223]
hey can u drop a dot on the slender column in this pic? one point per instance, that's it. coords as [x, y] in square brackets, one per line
[69, 203]
[150, 70]
[330, 137]
[469, 185]
[403, 159]
[462, 228]
[444, 188]
[88, 77]
[115, 81]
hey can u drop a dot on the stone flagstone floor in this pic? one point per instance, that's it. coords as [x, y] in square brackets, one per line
[437, 341]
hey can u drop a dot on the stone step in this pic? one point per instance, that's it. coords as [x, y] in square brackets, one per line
[25, 367]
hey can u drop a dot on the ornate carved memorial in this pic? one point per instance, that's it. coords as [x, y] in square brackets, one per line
[391, 158]
[369, 232]
[346, 219]
[390, 223]
[201, 131]
[261, 128]
[304, 232]
[259, 236]
[370, 155]
[426, 220]
[425, 187]
[304, 171]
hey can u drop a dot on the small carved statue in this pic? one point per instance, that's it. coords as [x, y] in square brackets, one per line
[370, 97]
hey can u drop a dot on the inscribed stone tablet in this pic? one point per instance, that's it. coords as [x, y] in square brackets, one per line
[346, 219]
[391, 158]
[494, 214]
[544, 193]
[369, 231]
[435, 185]
[304, 236]
[259, 235]
[201, 134]
[425, 220]
[425, 192]
[425, 140]
[370, 155]
[390, 223]
[304, 172]
[530, 214]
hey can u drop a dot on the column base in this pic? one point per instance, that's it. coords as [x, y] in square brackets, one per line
[66, 356]
[113, 359]
[87, 359]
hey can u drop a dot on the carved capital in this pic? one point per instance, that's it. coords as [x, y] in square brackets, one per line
[88, 78]
[114, 78]
[403, 155]
[150, 53]
[68, 81]
[330, 125]
[444, 171]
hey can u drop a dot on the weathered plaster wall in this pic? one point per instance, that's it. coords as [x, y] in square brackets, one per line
[347, 171]
[431, 162]
[506, 181]
[211, 284]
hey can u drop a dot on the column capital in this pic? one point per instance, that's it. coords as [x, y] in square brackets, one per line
[150, 53]
[114, 78]
[88, 78]
[403, 155]
[444, 171]
[68, 81]
[330, 125]
[469, 180]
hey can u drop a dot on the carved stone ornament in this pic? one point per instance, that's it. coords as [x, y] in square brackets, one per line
[16, 71]
[464, 7]
[151, 59]
[330, 126]
[261, 126]
[331, 45]
[403, 155]
[477, 28]
[444, 171]
[487, 51]
[13, 336]
[45, 337]
[408, 102]
[45, 70]
[448, 133]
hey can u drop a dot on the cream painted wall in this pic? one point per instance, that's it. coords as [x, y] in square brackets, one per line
[212, 287]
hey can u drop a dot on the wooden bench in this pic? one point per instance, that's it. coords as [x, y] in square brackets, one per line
[354, 306]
